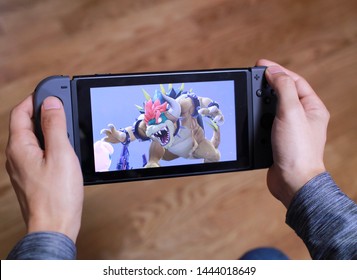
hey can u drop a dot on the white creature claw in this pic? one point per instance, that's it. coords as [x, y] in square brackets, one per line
[214, 113]
[219, 119]
[112, 134]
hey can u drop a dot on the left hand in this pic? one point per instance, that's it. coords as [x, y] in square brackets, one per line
[48, 183]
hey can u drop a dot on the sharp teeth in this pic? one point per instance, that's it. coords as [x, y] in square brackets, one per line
[163, 135]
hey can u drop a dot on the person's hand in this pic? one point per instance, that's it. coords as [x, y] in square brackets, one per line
[298, 133]
[48, 183]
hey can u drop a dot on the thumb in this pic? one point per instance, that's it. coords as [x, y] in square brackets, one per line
[53, 123]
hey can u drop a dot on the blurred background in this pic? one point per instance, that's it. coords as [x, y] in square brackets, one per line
[203, 217]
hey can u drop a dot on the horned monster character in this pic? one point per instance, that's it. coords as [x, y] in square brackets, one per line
[173, 122]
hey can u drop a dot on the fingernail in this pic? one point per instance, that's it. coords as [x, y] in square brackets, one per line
[52, 103]
[275, 69]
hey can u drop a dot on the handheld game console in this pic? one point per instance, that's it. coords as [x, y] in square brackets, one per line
[126, 127]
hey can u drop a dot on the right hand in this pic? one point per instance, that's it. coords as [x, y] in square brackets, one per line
[298, 133]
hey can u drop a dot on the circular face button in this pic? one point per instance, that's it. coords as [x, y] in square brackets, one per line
[259, 93]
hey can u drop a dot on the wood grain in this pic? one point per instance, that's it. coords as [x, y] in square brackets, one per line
[203, 217]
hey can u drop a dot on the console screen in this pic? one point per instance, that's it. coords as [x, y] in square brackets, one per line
[159, 125]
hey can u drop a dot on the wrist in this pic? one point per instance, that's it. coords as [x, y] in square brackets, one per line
[285, 185]
[71, 230]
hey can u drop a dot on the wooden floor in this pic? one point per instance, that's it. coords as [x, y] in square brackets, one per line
[205, 217]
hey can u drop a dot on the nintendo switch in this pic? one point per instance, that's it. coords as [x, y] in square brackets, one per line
[126, 127]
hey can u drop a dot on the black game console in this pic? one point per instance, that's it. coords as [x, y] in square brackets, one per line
[126, 127]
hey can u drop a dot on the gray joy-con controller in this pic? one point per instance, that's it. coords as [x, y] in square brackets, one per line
[60, 87]
[264, 100]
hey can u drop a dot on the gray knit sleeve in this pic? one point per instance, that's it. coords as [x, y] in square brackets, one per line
[325, 219]
[44, 246]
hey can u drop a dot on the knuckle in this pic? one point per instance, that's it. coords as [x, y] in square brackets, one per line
[260, 62]
[322, 115]
[8, 151]
[301, 80]
[11, 148]
[8, 166]
[47, 123]
[283, 80]
[326, 115]
[51, 121]
[14, 111]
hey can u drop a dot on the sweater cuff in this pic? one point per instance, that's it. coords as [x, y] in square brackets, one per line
[325, 219]
[44, 246]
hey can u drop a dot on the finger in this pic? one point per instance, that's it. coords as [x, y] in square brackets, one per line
[308, 96]
[268, 63]
[303, 87]
[21, 125]
[53, 122]
[21, 115]
[285, 88]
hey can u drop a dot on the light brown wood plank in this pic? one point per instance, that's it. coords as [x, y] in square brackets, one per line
[204, 217]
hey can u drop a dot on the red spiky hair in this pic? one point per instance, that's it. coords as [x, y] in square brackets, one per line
[154, 110]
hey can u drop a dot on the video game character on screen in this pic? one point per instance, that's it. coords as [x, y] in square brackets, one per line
[170, 125]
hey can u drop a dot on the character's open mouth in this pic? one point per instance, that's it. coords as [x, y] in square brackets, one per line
[163, 136]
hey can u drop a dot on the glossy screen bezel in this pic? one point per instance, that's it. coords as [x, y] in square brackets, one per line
[84, 138]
